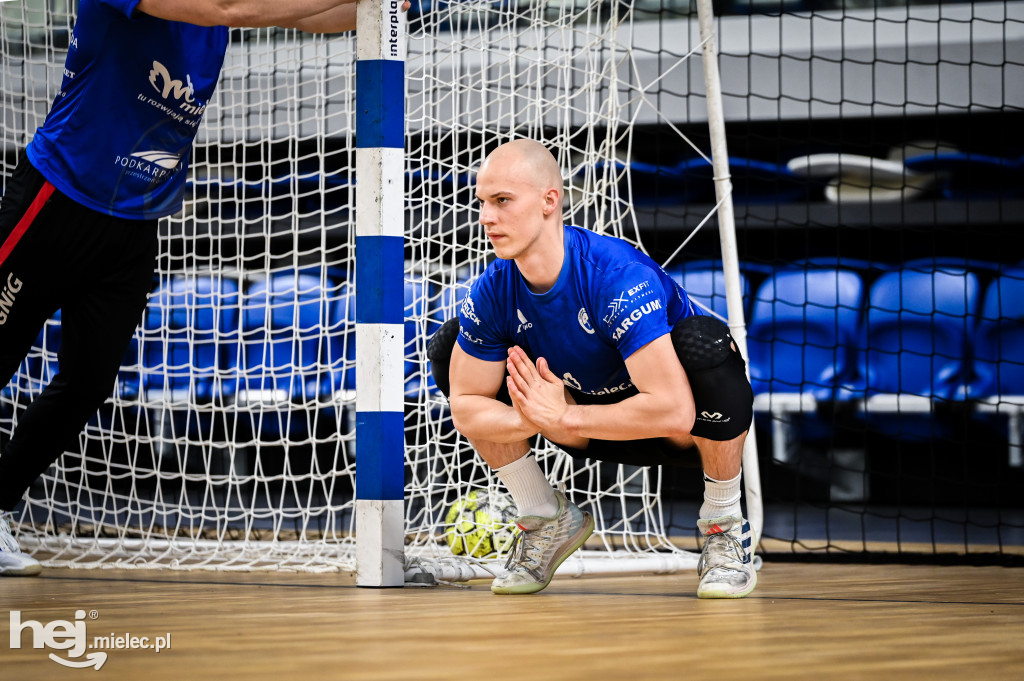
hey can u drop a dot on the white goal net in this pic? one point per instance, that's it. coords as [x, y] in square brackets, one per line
[229, 440]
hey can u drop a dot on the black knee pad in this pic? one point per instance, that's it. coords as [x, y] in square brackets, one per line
[722, 394]
[439, 352]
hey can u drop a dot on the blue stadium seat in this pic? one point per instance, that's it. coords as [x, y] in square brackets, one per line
[420, 325]
[284, 355]
[283, 327]
[999, 338]
[187, 348]
[919, 324]
[340, 359]
[803, 332]
[801, 340]
[36, 370]
[704, 282]
[999, 357]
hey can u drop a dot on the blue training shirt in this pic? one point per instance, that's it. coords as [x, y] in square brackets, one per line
[608, 302]
[118, 138]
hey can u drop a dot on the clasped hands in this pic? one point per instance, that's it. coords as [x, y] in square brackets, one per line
[537, 394]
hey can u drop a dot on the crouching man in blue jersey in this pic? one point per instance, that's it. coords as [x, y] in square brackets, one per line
[587, 341]
[78, 221]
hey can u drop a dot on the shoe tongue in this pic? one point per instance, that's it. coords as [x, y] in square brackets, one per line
[716, 525]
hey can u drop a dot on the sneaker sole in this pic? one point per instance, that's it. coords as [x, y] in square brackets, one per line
[27, 571]
[727, 594]
[585, 531]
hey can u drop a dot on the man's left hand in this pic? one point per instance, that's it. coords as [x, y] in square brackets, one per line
[535, 390]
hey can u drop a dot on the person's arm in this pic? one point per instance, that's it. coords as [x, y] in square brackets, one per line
[475, 411]
[319, 16]
[662, 408]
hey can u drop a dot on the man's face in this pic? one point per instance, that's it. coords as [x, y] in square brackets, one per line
[511, 206]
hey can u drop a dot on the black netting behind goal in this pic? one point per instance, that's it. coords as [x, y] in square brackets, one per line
[878, 179]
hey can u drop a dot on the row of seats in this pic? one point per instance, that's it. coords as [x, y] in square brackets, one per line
[935, 333]
[916, 337]
[932, 333]
[814, 334]
[289, 337]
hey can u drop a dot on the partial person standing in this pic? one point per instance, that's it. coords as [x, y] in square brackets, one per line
[78, 220]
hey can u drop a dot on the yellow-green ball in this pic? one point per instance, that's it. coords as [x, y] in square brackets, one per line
[480, 525]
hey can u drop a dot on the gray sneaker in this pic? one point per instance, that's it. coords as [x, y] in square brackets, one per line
[541, 546]
[726, 565]
[13, 561]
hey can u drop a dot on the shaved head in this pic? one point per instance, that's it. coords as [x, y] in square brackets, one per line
[526, 160]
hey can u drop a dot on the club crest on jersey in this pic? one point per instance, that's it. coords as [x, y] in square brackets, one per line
[584, 320]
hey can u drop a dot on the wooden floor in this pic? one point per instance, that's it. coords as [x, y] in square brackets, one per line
[803, 622]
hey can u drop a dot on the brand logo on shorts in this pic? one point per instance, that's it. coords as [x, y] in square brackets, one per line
[571, 381]
[584, 320]
[714, 416]
[7, 296]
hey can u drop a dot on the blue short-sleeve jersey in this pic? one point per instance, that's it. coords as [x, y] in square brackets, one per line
[119, 135]
[608, 302]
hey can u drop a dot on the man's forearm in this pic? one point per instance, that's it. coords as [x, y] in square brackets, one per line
[637, 417]
[245, 13]
[335, 20]
[485, 418]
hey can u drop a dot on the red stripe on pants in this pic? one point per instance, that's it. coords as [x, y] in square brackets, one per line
[23, 224]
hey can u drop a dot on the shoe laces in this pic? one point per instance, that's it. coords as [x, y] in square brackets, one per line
[520, 550]
[722, 548]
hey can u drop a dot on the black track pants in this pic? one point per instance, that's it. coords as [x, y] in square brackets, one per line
[98, 270]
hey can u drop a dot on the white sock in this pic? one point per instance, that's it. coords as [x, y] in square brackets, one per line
[721, 497]
[531, 491]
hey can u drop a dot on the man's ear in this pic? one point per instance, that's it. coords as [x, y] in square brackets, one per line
[552, 201]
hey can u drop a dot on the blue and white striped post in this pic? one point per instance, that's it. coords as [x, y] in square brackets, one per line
[380, 255]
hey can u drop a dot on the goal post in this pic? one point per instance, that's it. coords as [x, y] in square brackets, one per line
[380, 260]
[730, 253]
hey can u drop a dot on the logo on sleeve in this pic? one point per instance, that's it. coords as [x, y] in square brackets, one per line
[613, 308]
[634, 317]
[469, 311]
